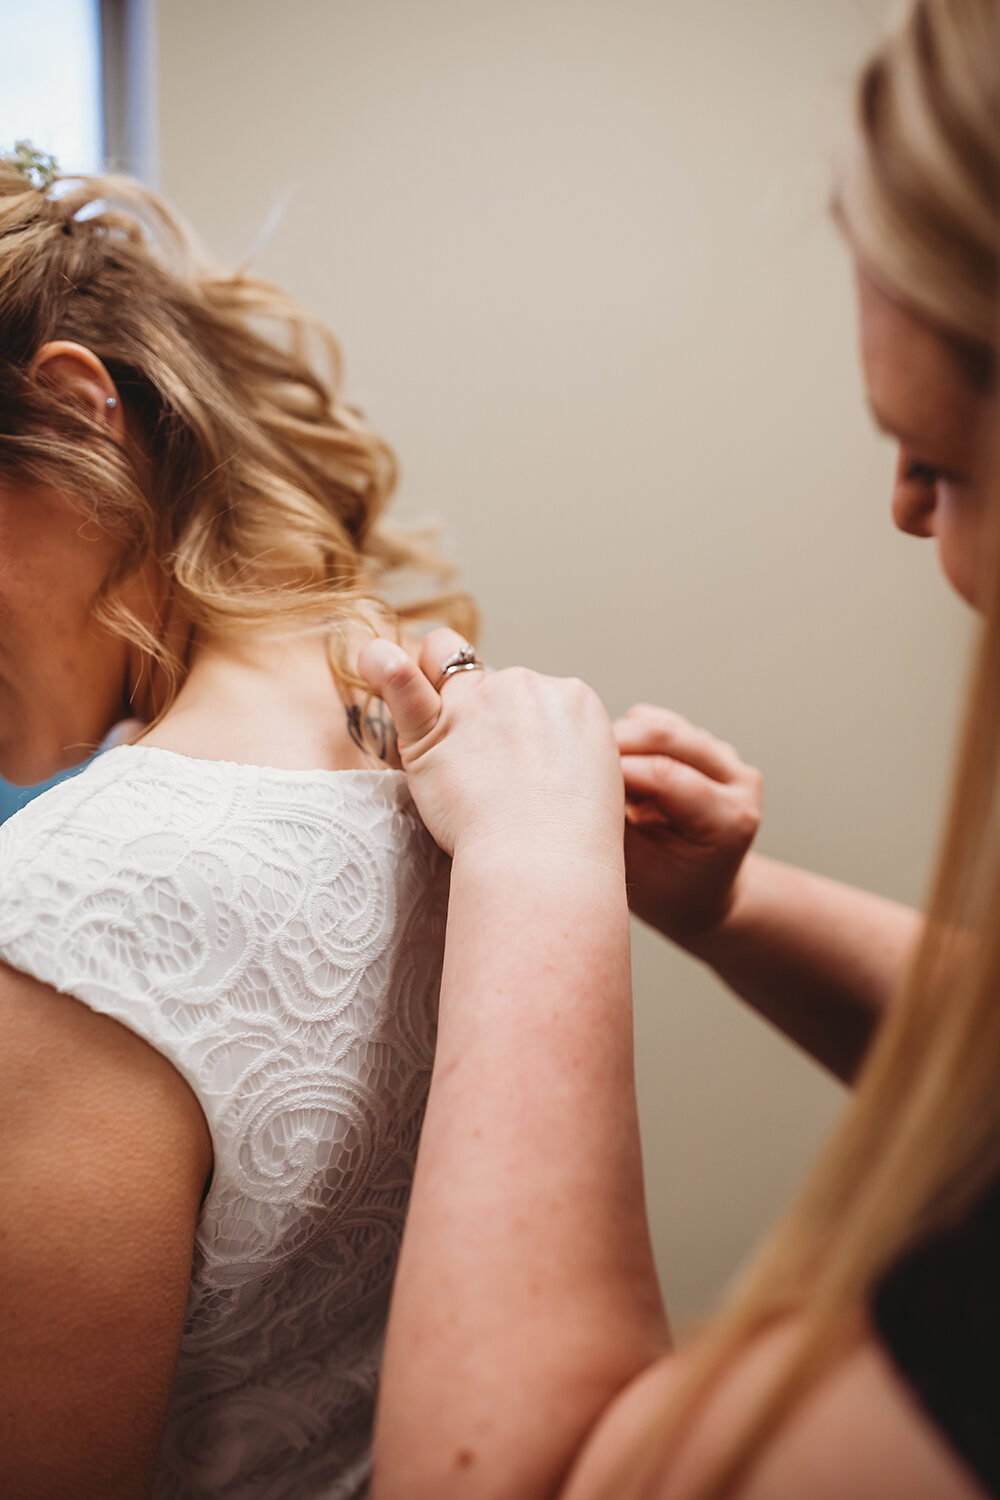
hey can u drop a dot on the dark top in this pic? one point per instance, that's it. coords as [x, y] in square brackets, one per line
[937, 1311]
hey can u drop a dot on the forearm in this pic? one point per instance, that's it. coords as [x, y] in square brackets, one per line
[526, 1295]
[818, 959]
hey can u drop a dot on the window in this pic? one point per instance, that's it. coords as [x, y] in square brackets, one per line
[50, 81]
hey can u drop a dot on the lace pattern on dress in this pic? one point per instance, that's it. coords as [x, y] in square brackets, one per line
[277, 935]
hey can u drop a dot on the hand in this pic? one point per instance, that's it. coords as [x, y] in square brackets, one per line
[515, 756]
[692, 811]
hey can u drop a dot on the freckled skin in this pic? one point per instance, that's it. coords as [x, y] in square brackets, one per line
[921, 396]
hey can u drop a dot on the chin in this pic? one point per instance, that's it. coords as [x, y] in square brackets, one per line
[16, 771]
[961, 552]
[39, 759]
[28, 770]
[965, 583]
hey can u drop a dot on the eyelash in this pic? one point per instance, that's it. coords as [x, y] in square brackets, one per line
[923, 474]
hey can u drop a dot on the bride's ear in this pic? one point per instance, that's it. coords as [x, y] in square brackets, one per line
[76, 372]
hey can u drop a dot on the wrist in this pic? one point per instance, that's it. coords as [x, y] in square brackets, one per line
[529, 926]
[588, 836]
[710, 943]
[503, 852]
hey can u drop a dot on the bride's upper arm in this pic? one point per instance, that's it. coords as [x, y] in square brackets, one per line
[860, 1435]
[104, 1153]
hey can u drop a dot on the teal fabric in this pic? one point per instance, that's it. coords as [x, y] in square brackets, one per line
[14, 797]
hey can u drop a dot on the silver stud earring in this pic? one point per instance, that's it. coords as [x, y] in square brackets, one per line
[111, 403]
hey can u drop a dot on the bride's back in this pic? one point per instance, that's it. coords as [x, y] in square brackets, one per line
[275, 934]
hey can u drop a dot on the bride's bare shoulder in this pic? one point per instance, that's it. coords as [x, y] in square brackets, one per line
[104, 1153]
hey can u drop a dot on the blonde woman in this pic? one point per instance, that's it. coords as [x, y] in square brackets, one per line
[528, 1355]
[221, 943]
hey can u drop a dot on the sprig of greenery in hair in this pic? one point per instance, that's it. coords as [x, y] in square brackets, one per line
[36, 167]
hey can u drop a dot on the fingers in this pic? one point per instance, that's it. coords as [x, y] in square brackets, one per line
[408, 689]
[696, 805]
[646, 730]
[411, 700]
[436, 649]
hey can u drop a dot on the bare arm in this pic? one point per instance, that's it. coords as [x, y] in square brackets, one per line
[819, 959]
[526, 1243]
[104, 1154]
[521, 1356]
[858, 1435]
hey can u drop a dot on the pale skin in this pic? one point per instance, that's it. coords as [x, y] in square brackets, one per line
[91, 1316]
[527, 1344]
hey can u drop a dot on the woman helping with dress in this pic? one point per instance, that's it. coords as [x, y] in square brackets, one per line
[205, 1163]
[528, 1353]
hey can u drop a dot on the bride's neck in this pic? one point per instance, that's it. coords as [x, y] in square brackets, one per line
[264, 699]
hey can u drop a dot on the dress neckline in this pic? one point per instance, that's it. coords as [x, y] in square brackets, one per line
[387, 774]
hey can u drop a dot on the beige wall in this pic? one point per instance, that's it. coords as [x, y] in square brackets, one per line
[578, 256]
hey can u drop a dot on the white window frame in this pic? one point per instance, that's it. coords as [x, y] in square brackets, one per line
[128, 86]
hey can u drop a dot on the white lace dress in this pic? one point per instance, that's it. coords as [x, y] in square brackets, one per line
[278, 936]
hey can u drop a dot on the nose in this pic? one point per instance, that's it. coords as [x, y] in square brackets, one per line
[913, 506]
[913, 514]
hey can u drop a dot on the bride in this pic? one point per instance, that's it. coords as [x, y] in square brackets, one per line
[221, 941]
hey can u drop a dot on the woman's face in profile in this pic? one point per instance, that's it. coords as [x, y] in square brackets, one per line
[62, 675]
[921, 397]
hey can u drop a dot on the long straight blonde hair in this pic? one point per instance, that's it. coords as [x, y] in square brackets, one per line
[919, 201]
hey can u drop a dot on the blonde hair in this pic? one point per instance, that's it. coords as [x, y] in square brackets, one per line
[919, 201]
[258, 490]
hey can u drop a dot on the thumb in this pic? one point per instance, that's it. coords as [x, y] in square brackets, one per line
[411, 700]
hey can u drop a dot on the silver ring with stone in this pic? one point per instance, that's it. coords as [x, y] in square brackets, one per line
[465, 660]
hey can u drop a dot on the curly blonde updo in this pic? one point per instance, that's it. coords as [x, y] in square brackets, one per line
[258, 491]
